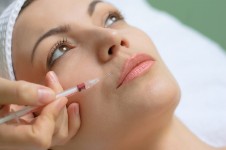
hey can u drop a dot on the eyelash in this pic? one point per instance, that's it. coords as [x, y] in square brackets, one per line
[117, 14]
[64, 42]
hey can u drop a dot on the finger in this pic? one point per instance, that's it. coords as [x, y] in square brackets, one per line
[61, 128]
[53, 82]
[66, 134]
[39, 134]
[24, 93]
[74, 120]
[44, 126]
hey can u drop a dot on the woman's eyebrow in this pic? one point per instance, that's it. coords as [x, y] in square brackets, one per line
[92, 6]
[54, 31]
[62, 29]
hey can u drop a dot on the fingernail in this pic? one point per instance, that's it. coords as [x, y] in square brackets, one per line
[76, 109]
[53, 76]
[45, 96]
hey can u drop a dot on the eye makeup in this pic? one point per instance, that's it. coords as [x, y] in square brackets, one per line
[57, 51]
[113, 16]
[63, 46]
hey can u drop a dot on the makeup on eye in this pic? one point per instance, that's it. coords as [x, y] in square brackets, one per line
[113, 16]
[63, 46]
[58, 50]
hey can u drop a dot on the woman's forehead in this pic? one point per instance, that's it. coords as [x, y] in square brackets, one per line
[43, 12]
[47, 5]
[43, 15]
[55, 9]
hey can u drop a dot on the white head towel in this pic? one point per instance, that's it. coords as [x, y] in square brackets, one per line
[7, 22]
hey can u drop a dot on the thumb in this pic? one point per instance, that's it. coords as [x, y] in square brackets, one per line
[24, 93]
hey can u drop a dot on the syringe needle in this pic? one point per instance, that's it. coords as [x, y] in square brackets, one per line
[78, 88]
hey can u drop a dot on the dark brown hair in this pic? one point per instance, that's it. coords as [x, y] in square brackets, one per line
[26, 4]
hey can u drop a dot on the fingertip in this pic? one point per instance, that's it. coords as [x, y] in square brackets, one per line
[52, 77]
[75, 106]
[46, 95]
[53, 82]
[27, 93]
[74, 118]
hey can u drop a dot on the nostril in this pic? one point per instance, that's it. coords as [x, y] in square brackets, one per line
[110, 51]
[123, 43]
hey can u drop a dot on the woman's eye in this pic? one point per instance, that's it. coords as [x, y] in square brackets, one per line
[58, 52]
[112, 18]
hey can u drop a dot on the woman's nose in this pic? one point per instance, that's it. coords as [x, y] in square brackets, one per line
[106, 42]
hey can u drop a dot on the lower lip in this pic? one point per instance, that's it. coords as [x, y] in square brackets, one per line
[139, 70]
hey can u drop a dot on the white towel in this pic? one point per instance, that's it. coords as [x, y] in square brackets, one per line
[198, 64]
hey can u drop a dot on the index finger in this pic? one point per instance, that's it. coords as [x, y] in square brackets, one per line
[24, 93]
[37, 135]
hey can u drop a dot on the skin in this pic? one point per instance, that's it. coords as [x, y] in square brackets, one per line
[41, 132]
[112, 118]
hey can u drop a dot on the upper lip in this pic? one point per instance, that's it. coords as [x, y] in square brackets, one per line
[131, 63]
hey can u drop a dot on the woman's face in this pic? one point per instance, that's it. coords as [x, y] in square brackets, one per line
[82, 40]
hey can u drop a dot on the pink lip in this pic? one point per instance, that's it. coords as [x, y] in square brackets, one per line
[135, 66]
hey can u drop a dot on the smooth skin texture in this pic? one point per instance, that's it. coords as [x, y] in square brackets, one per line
[24, 93]
[44, 131]
[138, 114]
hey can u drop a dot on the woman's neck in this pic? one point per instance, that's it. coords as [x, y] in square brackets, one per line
[177, 137]
[174, 137]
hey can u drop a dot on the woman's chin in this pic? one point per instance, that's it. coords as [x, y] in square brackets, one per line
[151, 93]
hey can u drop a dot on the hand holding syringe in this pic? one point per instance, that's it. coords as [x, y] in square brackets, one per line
[68, 92]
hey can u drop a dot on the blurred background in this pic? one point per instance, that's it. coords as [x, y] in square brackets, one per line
[4, 3]
[205, 16]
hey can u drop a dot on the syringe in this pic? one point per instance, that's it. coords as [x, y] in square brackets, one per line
[28, 109]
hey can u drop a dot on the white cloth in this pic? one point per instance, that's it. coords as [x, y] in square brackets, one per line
[7, 21]
[198, 64]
